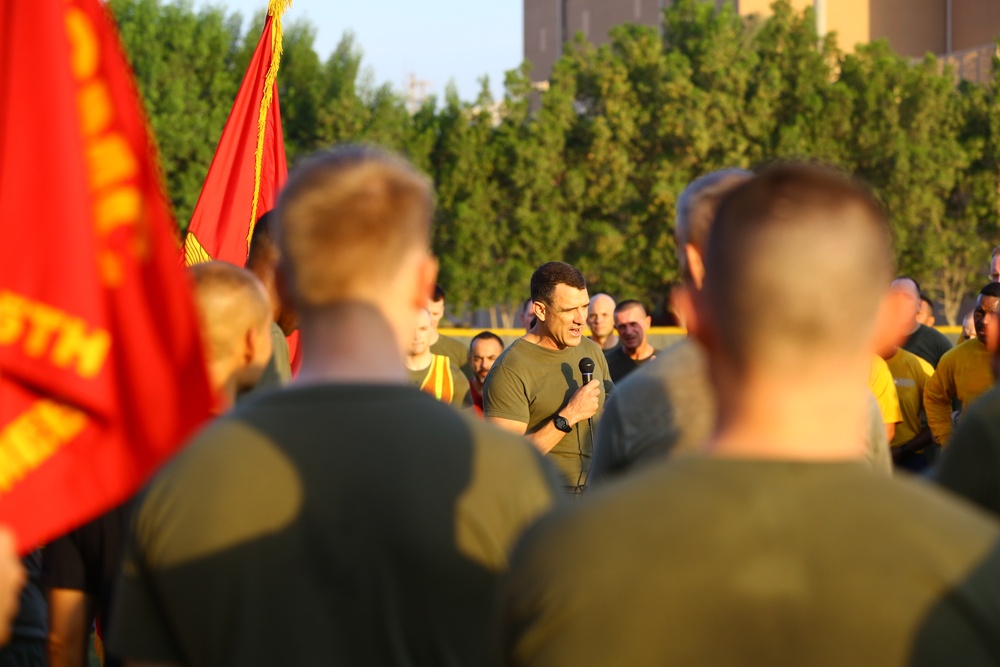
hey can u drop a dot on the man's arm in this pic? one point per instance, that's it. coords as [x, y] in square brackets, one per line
[937, 405]
[582, 406]
[69, 615]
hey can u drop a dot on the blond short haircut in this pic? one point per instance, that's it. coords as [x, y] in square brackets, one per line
[230, 300]
[346, 218]
[797, 262]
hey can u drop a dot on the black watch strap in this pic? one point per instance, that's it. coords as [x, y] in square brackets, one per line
[562, 424]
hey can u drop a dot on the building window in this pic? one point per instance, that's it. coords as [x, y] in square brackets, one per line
[542, 44]
[637, 10]
[585, 20]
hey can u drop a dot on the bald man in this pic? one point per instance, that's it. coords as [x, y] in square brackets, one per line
[349, 518]
[922, 340]
[777, 545]
[236, 318]
[601, 320]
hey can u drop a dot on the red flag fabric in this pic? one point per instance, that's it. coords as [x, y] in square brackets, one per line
[249, 166]
[102, 373]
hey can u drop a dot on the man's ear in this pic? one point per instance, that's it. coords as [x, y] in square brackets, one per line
[426, 278]
[695, 265]
[539, 309]
[993, 335]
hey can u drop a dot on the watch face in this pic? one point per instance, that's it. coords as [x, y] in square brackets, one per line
[562, 424]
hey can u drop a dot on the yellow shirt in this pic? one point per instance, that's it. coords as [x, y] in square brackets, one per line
[963, 373]
[880, 382]
[910, 374]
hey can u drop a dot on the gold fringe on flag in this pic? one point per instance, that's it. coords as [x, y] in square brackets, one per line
[275, 8]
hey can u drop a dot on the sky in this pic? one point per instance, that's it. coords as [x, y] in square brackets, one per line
[436, 40]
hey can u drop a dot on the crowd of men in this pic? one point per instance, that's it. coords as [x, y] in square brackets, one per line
[573, 496]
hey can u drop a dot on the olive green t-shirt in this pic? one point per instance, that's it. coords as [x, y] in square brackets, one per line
[722, 562]
[455, 351]
[970, 465]
[531, 384]
[460, 383]
[329, 525]
[620, 364]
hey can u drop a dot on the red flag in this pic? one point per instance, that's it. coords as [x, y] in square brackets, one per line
[249, 166]
[101, 367]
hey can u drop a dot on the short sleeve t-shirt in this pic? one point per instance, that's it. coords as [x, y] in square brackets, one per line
[927, 343]
[329, 525]
[884, 390]
[620, 364]
[910, 374]
[454, 350]
[740, 562]
[970, 466]
[442, 379]
[531, 384]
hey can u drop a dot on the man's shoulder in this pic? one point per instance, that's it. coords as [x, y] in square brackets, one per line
[676, 366]
[933, 335]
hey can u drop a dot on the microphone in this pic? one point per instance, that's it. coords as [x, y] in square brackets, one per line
[587, 369]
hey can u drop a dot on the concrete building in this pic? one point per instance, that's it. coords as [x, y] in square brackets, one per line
[962, 32]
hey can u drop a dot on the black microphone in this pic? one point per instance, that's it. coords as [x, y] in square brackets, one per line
[587, 369]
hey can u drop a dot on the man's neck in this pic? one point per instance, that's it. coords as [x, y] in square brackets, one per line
[644, 351]
[435, 336]
[541, 337]
[781, 418]
[350, 342]
[419, 362]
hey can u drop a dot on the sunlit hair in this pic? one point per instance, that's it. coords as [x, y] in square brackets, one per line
[696, 209]
[546, 277]
[797, 262]
[346, 219]
[230, 300]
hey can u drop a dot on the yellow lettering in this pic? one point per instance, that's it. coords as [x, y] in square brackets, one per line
[83, 44]
[45, 320]
[62, 421]
[89, 350]
[11, 317]
[110, 161]
[34, 436]
[94, 103]
[117, 208]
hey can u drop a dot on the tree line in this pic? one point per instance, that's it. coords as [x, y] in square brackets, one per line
[589, 170]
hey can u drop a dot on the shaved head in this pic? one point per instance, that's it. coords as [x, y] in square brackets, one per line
[797, 263]
[230, 302]
[346, 219]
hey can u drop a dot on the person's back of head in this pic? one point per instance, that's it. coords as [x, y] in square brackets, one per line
[797, 263]
[354, 227]
[262, 261]
[235, 317]
[696, 208]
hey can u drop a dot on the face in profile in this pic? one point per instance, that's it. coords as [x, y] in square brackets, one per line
[566, 315]
[421, 334]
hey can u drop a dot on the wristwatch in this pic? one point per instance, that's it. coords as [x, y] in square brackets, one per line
[560, 423]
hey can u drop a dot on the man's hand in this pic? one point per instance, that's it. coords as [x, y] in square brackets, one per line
[584, 403]
[12, 580]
